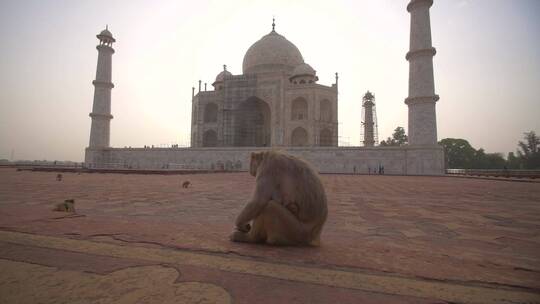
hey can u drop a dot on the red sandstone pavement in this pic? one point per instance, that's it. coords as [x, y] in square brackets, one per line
[463, 232]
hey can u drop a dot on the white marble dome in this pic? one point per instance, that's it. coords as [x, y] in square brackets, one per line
[272, 53]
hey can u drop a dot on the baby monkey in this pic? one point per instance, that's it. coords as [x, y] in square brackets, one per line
[186, 184]
[67, 206]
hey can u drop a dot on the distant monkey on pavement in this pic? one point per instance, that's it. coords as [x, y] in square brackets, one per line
[67, 206]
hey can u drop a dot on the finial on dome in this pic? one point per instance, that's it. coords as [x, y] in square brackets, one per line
[273, 24]
[224, 67]
[106, 26]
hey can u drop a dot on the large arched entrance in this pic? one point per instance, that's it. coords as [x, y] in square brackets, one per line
[299, 137]
[252, 124]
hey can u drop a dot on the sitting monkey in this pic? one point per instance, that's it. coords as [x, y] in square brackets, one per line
[288, 206]
[59, 177]
[186, 184]
[67, 206]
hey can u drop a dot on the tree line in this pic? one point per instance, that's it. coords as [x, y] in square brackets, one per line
[459, 154]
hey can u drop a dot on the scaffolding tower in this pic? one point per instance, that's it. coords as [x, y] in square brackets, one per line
[369, 132]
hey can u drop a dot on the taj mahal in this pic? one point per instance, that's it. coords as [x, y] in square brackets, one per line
[277, 103]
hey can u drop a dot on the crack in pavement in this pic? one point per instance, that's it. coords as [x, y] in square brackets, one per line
[461, 292]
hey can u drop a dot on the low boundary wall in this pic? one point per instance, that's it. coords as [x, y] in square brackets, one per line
[496, 173]
[405, 160]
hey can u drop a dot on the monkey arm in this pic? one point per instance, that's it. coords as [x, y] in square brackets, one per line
[261, 196]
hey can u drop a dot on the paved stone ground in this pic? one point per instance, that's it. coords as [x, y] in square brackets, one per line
[145, 239]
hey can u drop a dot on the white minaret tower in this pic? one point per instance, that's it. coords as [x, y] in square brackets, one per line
[100, 130]
[422, 97]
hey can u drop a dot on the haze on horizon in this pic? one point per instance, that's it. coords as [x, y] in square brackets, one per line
[487, 66]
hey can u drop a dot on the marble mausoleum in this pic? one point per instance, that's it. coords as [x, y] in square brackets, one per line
[277, 102]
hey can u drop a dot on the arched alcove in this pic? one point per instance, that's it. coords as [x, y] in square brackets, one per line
[325, 137]
[299, 109]
[210, 138]
[299, 137]
[210, 112]
[326, 111]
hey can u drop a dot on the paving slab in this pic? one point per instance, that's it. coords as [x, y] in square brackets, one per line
[388, 239]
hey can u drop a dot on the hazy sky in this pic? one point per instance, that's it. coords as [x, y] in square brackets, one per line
[487, 67]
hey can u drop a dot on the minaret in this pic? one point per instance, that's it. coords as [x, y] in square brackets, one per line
[369, 123]
[422, 97]
[101, 110]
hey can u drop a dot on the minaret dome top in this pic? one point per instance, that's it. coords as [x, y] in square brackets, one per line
[106, 36]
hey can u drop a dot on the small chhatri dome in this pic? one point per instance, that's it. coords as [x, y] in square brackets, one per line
[106, 35]
[303, 69]
[106, 32]
[272, 53]
[221, 76]
[303, 74]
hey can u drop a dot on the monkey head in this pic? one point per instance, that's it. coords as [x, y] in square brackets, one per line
[256, 159]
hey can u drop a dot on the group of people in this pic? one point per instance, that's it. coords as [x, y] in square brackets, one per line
[377, 170]
[152, 146]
